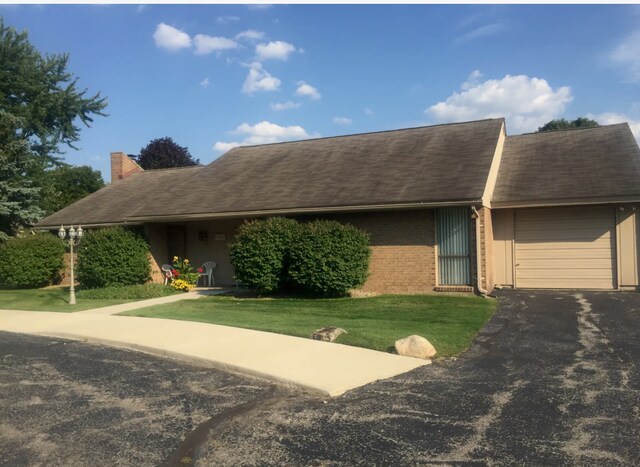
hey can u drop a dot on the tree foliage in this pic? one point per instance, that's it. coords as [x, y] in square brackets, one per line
[40, 91]
[19, 197]
[67, 184]
[41, 107]
[564, 124]
[164, 153]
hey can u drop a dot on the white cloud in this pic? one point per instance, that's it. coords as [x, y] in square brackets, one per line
[263, 133]
[250, 35]
[259, 6]
[482, 31]
[207, 44]
[307, 90]
[280, 106]
[227, 19]
[609, 118]
[141, 8]
[626, 55]
[259, 79]
[170, 38]
[525, 102]
[279, 50]
[205, 83]
[224, 147]
[367, 111]
[342, 121]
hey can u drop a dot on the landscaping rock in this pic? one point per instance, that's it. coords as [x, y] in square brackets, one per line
[415, 346]
[328, 334]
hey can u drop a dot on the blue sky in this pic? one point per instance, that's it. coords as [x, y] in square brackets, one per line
[214, 76]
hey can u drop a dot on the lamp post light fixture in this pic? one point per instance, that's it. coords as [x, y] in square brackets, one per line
[74, 236]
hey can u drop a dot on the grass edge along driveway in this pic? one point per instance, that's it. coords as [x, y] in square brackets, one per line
[48, 299]
[449, 322]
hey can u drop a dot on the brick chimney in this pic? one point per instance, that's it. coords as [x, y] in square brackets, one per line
[122, 166]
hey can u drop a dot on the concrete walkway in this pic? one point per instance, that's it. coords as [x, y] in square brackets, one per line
[330, 369]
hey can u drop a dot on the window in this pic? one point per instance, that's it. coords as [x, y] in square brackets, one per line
[453, 246]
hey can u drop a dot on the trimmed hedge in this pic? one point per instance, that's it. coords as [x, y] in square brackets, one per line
[260, 253]
[113, 256]
[329, 258]
[31, 261]
[323, 258]
[127, 292]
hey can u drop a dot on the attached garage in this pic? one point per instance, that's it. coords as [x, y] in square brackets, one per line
[565, 248]
[587, 247]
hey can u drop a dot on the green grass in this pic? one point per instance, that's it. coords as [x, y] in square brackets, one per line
[57, 298]
[48, 299]
[448, 322]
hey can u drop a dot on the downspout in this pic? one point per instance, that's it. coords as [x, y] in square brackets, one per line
[481, 289]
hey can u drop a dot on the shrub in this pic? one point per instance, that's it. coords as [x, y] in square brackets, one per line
[127, 292]
[260, 253]
[31, 261]
[113, 256]
[329, 258]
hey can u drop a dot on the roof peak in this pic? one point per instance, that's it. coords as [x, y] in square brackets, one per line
[321, 138]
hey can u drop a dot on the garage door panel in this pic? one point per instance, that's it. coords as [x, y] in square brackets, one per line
[599, 223]
[578, 213]
[565, 273]
[567, 236]
[564, 253]
[565, 248]
[569, 284]
[563, 263]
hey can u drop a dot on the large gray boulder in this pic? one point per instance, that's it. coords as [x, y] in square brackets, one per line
[415, 346]
[328, 334]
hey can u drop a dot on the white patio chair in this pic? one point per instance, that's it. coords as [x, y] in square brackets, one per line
[208, 267]
[167, 273]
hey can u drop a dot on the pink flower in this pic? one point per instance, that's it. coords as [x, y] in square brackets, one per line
[200, 270]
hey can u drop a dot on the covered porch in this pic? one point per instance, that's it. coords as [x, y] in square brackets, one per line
[199, 241]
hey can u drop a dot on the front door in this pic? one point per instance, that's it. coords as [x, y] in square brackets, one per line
[176, 241]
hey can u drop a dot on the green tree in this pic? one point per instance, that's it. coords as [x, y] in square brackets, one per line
[67, 184]
[19, 198]
[564, 124]
[41, 110]
[164, 153]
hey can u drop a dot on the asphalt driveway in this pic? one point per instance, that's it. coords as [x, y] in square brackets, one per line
[553, 379]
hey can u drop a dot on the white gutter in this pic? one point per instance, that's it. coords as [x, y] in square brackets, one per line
[481, 289]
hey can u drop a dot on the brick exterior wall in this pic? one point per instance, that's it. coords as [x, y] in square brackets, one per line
[403, 249]
[157, 237]
[487, 276]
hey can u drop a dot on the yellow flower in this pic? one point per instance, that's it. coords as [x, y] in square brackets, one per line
[175, 258]
[186, 261]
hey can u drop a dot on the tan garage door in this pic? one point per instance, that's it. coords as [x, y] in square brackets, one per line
[565, 248]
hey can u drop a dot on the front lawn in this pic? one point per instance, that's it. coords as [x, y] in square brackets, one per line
[48, 299]
[57, 298]
[448, 322]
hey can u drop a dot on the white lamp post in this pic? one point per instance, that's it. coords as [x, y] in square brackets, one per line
[73, 235]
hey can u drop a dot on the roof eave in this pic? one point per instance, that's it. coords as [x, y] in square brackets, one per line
[302, 211]
[565, 202]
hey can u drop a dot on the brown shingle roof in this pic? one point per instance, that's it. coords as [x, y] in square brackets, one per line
[427, 164]
[114, 203]
[601, 162]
